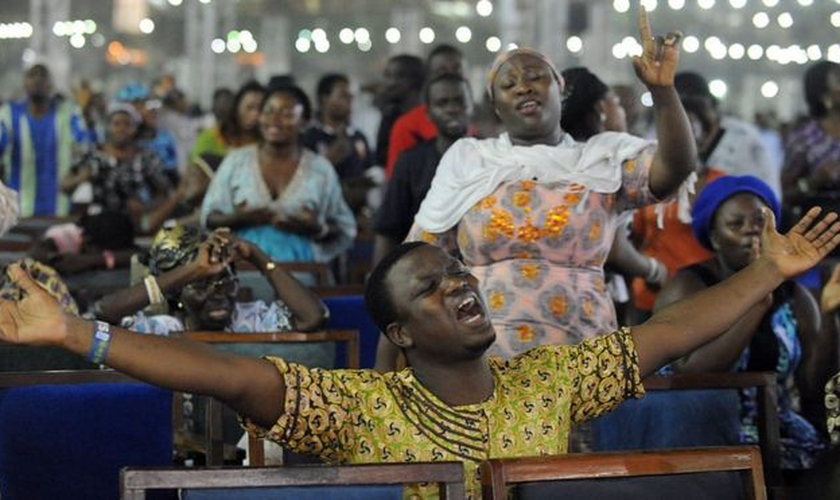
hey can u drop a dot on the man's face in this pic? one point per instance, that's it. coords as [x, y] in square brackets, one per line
[121, 129]
[38, 83]
[339, 102]
[450, 107]
[439, 307]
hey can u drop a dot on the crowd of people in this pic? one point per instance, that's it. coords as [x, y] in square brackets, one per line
[503, 267]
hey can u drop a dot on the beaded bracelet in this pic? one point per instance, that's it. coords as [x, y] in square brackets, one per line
[101, 342]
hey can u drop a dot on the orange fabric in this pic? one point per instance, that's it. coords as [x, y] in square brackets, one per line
[413, 127]
[674, 245]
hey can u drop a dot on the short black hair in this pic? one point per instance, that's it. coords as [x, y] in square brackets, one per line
[378, 300]
[816, 85]
[328, 82]
[444, 49]
[584, 90]
[297, 94]
[693, 86]
[445, 77]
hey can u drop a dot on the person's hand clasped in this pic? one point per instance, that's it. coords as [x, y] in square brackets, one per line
[36, 319]
[808, 242]
[303, 222]
[215, 253]
[658, 63]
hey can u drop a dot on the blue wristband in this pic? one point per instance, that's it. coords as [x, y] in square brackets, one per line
[101, 342]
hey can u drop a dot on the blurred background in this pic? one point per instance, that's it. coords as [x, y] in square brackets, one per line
[752, 51]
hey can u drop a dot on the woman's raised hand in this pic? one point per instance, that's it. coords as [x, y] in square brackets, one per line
[808, 242]
[214, 254]
[658, 63]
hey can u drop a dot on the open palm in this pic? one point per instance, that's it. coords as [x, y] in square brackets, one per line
[37, 319]
[808, 242]
[660, 57]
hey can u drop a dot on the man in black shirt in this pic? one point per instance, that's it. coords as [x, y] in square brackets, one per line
[332, 136]
[450, 107]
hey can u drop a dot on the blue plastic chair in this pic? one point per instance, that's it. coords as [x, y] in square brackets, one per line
[69, 439]
[348, 312]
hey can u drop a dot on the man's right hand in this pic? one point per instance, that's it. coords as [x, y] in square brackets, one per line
[36, 319]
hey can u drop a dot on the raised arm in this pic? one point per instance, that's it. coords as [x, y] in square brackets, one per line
[691, 323]
[251, 386]
[676, 152]
[308, 311]
[721, 353]
[113, 307]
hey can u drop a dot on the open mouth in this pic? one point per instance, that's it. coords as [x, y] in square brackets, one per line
[528, 107]
[470, 310]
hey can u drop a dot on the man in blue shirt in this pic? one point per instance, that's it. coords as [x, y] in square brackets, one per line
[38, 137]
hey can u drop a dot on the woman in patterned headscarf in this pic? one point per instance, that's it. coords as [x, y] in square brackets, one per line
[197, 278]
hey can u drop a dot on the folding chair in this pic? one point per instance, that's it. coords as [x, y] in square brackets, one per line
[316, 482]
[653, 474]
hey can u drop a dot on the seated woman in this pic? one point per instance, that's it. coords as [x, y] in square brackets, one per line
[121, 176]
[199, 278]
[780, 334]
[277, 194]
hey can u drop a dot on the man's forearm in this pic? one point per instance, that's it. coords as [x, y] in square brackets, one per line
[683, 326]
[251, 386]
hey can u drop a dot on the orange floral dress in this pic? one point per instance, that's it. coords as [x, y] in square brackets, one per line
[538, 250]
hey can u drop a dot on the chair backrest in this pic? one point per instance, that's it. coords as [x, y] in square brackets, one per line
[594, 471]
[348, 311]
[768, 411]
[694, 409]
[66, 434]
[214, 439]
[135, 482]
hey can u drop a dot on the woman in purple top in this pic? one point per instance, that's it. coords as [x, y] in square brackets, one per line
[811, 172]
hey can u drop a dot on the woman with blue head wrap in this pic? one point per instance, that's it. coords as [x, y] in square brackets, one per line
[780, 334]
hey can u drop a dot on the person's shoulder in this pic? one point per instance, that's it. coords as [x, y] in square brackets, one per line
[313, 133]
[413, 119]
[420, 150]
[529, 359]
[738, 127]
[419, 112]
[315, 160]
[241, 152]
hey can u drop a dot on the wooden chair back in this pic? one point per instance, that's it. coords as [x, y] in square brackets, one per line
[499, 474]
[213, 439]
[449, 476]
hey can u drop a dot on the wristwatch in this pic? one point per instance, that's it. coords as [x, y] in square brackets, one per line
[270, 266]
